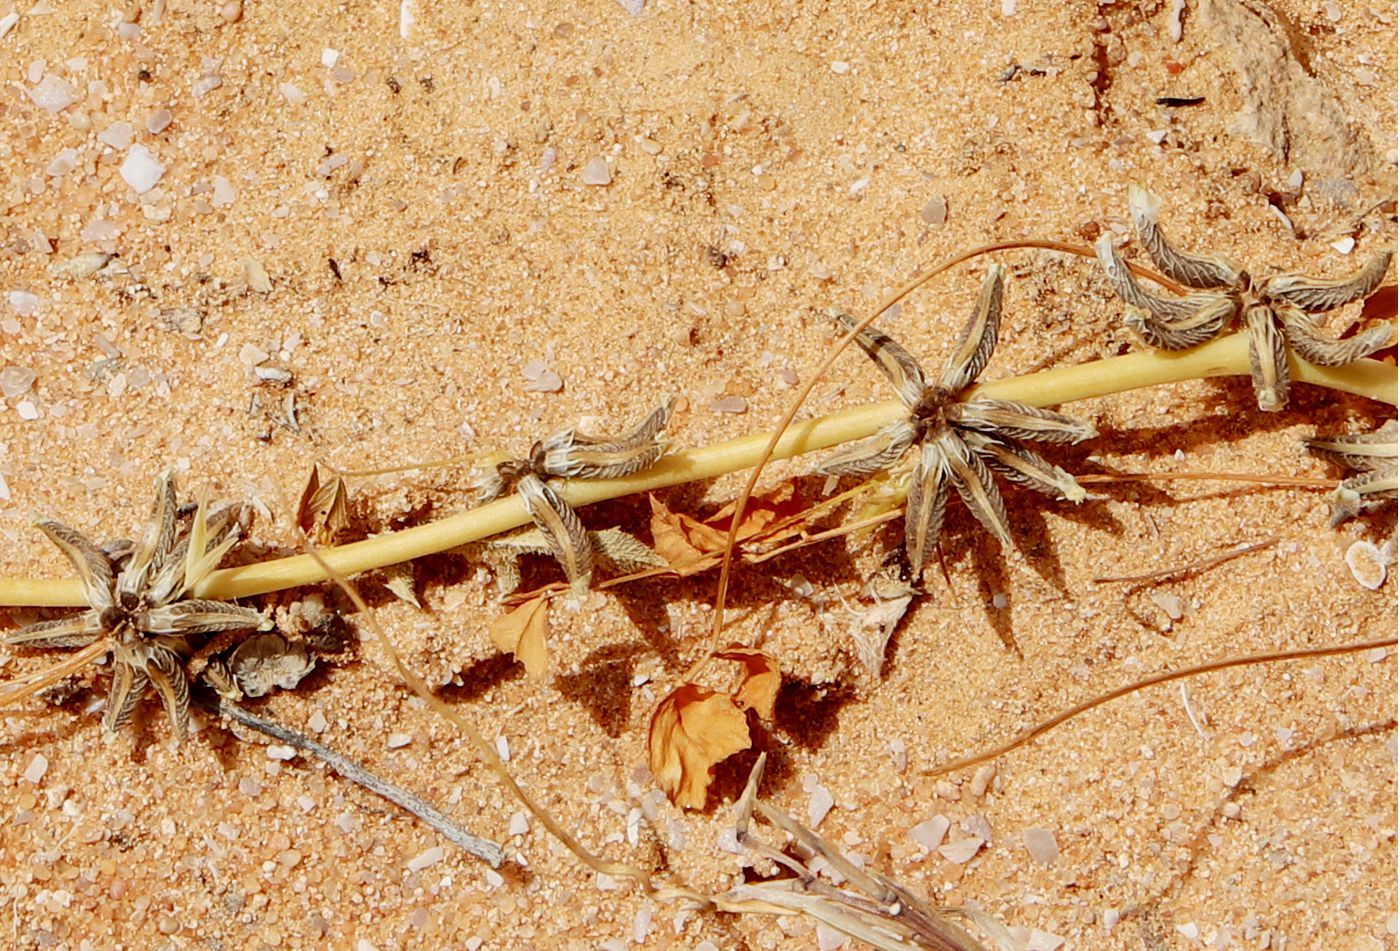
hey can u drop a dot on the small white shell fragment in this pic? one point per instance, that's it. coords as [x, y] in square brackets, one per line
[596, 172]
[329, 57]
[7, 23]
[961, 851]
[36, 769]
[633, 7]
[1041, 844]
[408, 16]
[1367, 564]
[140, 169]
[399, 740]
[1344, 245]
[519, 824]
[1169, 603]
[503, 749]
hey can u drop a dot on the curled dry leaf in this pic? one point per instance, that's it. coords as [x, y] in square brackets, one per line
[265, 661]
[323, 510]
[759, 683]
[691, 545]
[522, 632]
[693, 729]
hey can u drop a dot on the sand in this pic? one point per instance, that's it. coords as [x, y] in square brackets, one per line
[377, 233]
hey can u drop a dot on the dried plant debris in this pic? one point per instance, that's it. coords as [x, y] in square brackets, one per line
[812, 876]
[573, 455]
[959, 443]
[1276, 314]
[140, 606]
[1372, 456]
[323, 511]
[887, 596]
[259, 665]
[613, 549]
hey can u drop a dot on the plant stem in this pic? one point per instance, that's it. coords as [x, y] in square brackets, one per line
[1226, 356]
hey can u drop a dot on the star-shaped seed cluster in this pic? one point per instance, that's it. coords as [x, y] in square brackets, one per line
[959, 443]
[1277, 314]
[139, 603]
[572, 454]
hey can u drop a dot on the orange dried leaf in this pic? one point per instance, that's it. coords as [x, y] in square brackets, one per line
[760, 681]
[763, 510]
[522, 632]
[693, 729]
[681, 540]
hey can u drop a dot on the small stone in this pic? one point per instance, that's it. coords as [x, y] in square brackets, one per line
[961, 851]
[1344, 245]
[930, 834]
[840, 67]
[329, 57]
[117, 135]
[935, 212]
[255, 274]
[982, 779]
[399, 740]
[52, 94]
[140, 169]
[819, 803]
[281, 753]
[519, 824]
[1041, 844]
[729, 404]
[158, 121]
[37, 767]
[596, 172]
[16, 381]
[633, 7]
[1367, 564]
[24, 303]
[316, 723]
[427, 858]
[250, 356]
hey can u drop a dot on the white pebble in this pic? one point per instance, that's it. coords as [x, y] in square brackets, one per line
[633, 7]
[282, 753]
[494, 879]
[1367, 564]
[1041, 844]
[519, 824]
[930, 834]
[1008, 8]
[503, 749]
[408, 16]
[224, 192]
[24, 303]
[27, 409]
[399, 740]
[426, 858]
[596, 172]
[117, 135]
[729, 404]
[63, 163]
[935, 212]
[1344, 245]
[1043, 941]
[7, 23]
[52, 94]
[840, 67]
[37, 767]
[250, 356]
[317, 722]
[982, 779]
[158, 121]
[329, 57]
[140, 169]
[292, 94]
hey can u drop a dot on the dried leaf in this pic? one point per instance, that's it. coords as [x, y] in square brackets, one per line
[324, 510]
[692, 729]
[522, 633]
[762, 512]
[399, 580]
[681, 540]
[760, 681]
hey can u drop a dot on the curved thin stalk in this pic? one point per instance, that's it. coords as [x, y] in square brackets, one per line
[1227, 356]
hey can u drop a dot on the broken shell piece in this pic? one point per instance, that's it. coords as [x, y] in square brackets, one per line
[1368, 564]
[265, 661]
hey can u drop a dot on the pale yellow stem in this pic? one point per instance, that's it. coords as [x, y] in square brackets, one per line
[1227, 356]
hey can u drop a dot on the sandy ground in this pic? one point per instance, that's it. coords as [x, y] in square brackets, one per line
[415, 195]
